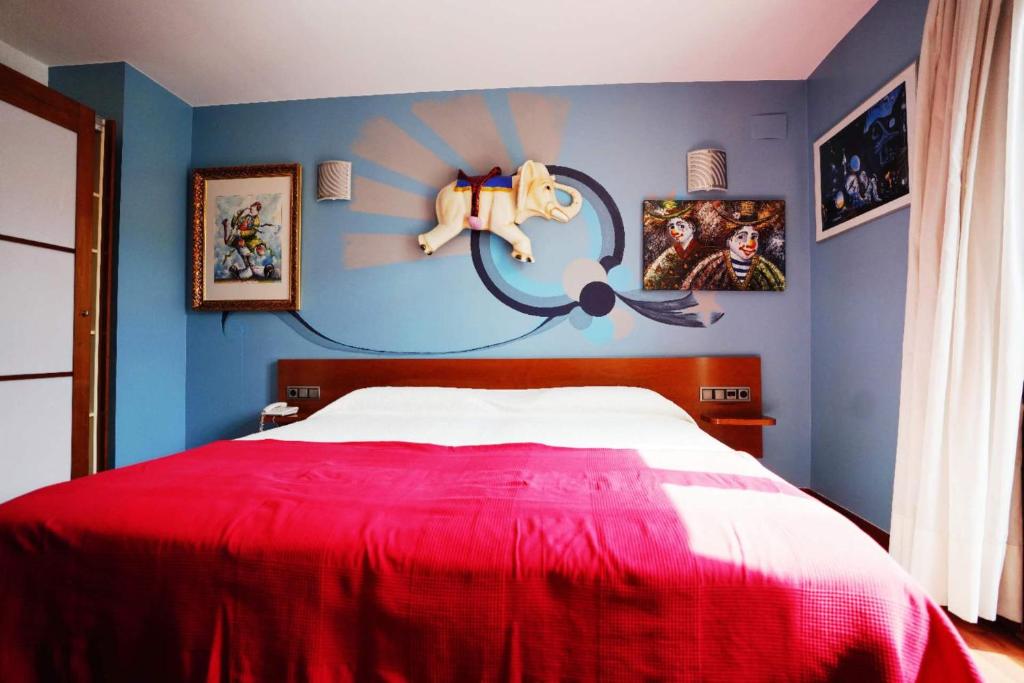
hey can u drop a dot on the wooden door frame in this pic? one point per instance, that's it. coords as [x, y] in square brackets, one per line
[108, 302]
[34, 97]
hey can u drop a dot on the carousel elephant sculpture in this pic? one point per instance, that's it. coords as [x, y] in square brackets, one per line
[500, 204]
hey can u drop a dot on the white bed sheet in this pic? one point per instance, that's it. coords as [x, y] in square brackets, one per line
[575, 417]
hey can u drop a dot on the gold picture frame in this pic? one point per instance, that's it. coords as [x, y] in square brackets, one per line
[247, 238]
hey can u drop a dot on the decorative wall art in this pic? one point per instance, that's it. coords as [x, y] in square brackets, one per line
[862, 165]
[500, 203]
[582, 281]
[246, 237]
[596, 298]
[714, 245]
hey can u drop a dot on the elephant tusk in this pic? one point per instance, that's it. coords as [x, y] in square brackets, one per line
[559, 215]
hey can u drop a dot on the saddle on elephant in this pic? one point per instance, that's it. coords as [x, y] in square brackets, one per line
[491, 181]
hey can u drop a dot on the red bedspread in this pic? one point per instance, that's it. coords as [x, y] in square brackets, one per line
[285, 561]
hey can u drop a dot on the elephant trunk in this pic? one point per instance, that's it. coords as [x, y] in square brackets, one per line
[566, 212]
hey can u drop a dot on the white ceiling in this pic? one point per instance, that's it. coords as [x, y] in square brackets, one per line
[227, 51]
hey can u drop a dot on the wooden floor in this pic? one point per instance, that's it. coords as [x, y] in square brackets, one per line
[999, 655]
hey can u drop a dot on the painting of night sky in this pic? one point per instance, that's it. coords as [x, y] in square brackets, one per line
[865, 164]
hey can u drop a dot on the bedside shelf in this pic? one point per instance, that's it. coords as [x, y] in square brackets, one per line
[754, 421]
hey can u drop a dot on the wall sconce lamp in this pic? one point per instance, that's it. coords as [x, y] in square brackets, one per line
[334, 180]
[705, 170]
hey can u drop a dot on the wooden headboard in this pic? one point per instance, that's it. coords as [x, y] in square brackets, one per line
[678, 379]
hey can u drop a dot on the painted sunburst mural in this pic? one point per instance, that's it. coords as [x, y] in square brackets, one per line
[579, 277]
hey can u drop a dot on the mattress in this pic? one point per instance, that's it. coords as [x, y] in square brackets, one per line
[575, 417]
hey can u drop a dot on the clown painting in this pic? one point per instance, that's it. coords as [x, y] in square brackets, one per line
[715, 245]
[249, 248]
[246, 237]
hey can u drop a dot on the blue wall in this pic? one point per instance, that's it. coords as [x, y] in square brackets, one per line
[184, 377]
[632, 139]
[155, 135]
[858, 285]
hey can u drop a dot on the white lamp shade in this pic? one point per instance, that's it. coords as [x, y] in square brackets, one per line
[705, 170]
[334, 180]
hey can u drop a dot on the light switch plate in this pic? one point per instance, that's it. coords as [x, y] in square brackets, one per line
[300, 393]
[725, 394]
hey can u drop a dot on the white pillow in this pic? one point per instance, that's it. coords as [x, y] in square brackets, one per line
[484, 402]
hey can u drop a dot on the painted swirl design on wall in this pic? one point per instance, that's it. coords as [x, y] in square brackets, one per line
[402, 161]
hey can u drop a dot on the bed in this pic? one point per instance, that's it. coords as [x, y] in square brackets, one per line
[441, 533]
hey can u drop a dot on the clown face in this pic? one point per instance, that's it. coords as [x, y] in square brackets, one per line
[681, 230]
[743, 244]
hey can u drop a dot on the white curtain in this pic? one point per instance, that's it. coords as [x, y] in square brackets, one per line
[963, 342]
[1011, 587]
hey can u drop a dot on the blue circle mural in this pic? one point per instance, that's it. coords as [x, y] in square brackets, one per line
[582, 278]
[589, 296]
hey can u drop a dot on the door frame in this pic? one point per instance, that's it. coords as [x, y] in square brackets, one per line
[34, 97]
[108, 302]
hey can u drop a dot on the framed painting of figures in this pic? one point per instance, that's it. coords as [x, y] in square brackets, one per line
[246, 234]
[723, 245]
[862, 165]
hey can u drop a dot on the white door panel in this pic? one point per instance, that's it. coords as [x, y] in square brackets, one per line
[37, 178]
[37, 298]
[36, 428]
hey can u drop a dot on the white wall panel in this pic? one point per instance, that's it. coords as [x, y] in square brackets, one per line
[35, 421]
[37, 178]
[37, 300]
